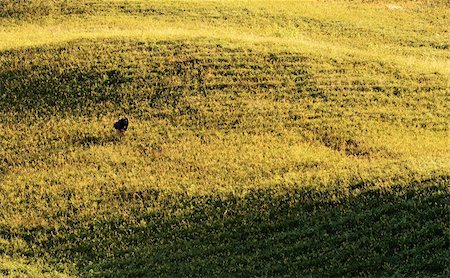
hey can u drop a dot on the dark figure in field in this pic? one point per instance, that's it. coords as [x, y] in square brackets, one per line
[121, 125]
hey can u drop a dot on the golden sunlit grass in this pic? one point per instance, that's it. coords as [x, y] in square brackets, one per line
[267, 138]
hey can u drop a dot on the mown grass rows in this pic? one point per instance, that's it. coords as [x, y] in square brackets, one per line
[208, 119]
[239, 160]
[114, 75]
[271, 232]
[210, 87]
[417, 36]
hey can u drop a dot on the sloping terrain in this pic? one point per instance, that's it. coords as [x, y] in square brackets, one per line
[267, 138]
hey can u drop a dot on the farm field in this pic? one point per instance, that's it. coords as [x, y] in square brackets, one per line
[266, 138]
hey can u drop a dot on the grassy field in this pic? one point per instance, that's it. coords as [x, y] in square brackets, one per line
[266, 139]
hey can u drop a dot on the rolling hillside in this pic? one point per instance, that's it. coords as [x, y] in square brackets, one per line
[266, 138]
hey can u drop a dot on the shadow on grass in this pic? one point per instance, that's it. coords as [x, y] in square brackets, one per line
[97, 76]
[403, 230]
[46, 91]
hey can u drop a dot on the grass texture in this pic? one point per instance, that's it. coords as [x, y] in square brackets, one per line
[266, 138]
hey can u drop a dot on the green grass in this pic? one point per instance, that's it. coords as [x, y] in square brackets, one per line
[267, 138]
